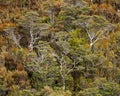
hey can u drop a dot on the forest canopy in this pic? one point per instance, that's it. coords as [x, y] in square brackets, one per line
[59, 47]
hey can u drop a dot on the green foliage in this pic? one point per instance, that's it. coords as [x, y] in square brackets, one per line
[104, 89]
[76, 39]
[47, 91]
[59, 48]
[90, 92]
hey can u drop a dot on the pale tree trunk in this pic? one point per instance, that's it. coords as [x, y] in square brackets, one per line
[94, 38]
[31, 36]
[62, 75]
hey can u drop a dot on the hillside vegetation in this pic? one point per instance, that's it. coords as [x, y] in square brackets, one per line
[59, 47]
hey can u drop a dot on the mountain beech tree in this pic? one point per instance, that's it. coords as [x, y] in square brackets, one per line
[96, 28]
[33, 24]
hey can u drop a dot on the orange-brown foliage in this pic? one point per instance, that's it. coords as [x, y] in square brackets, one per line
[94, 6]
[20, 67]
[7, 25]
